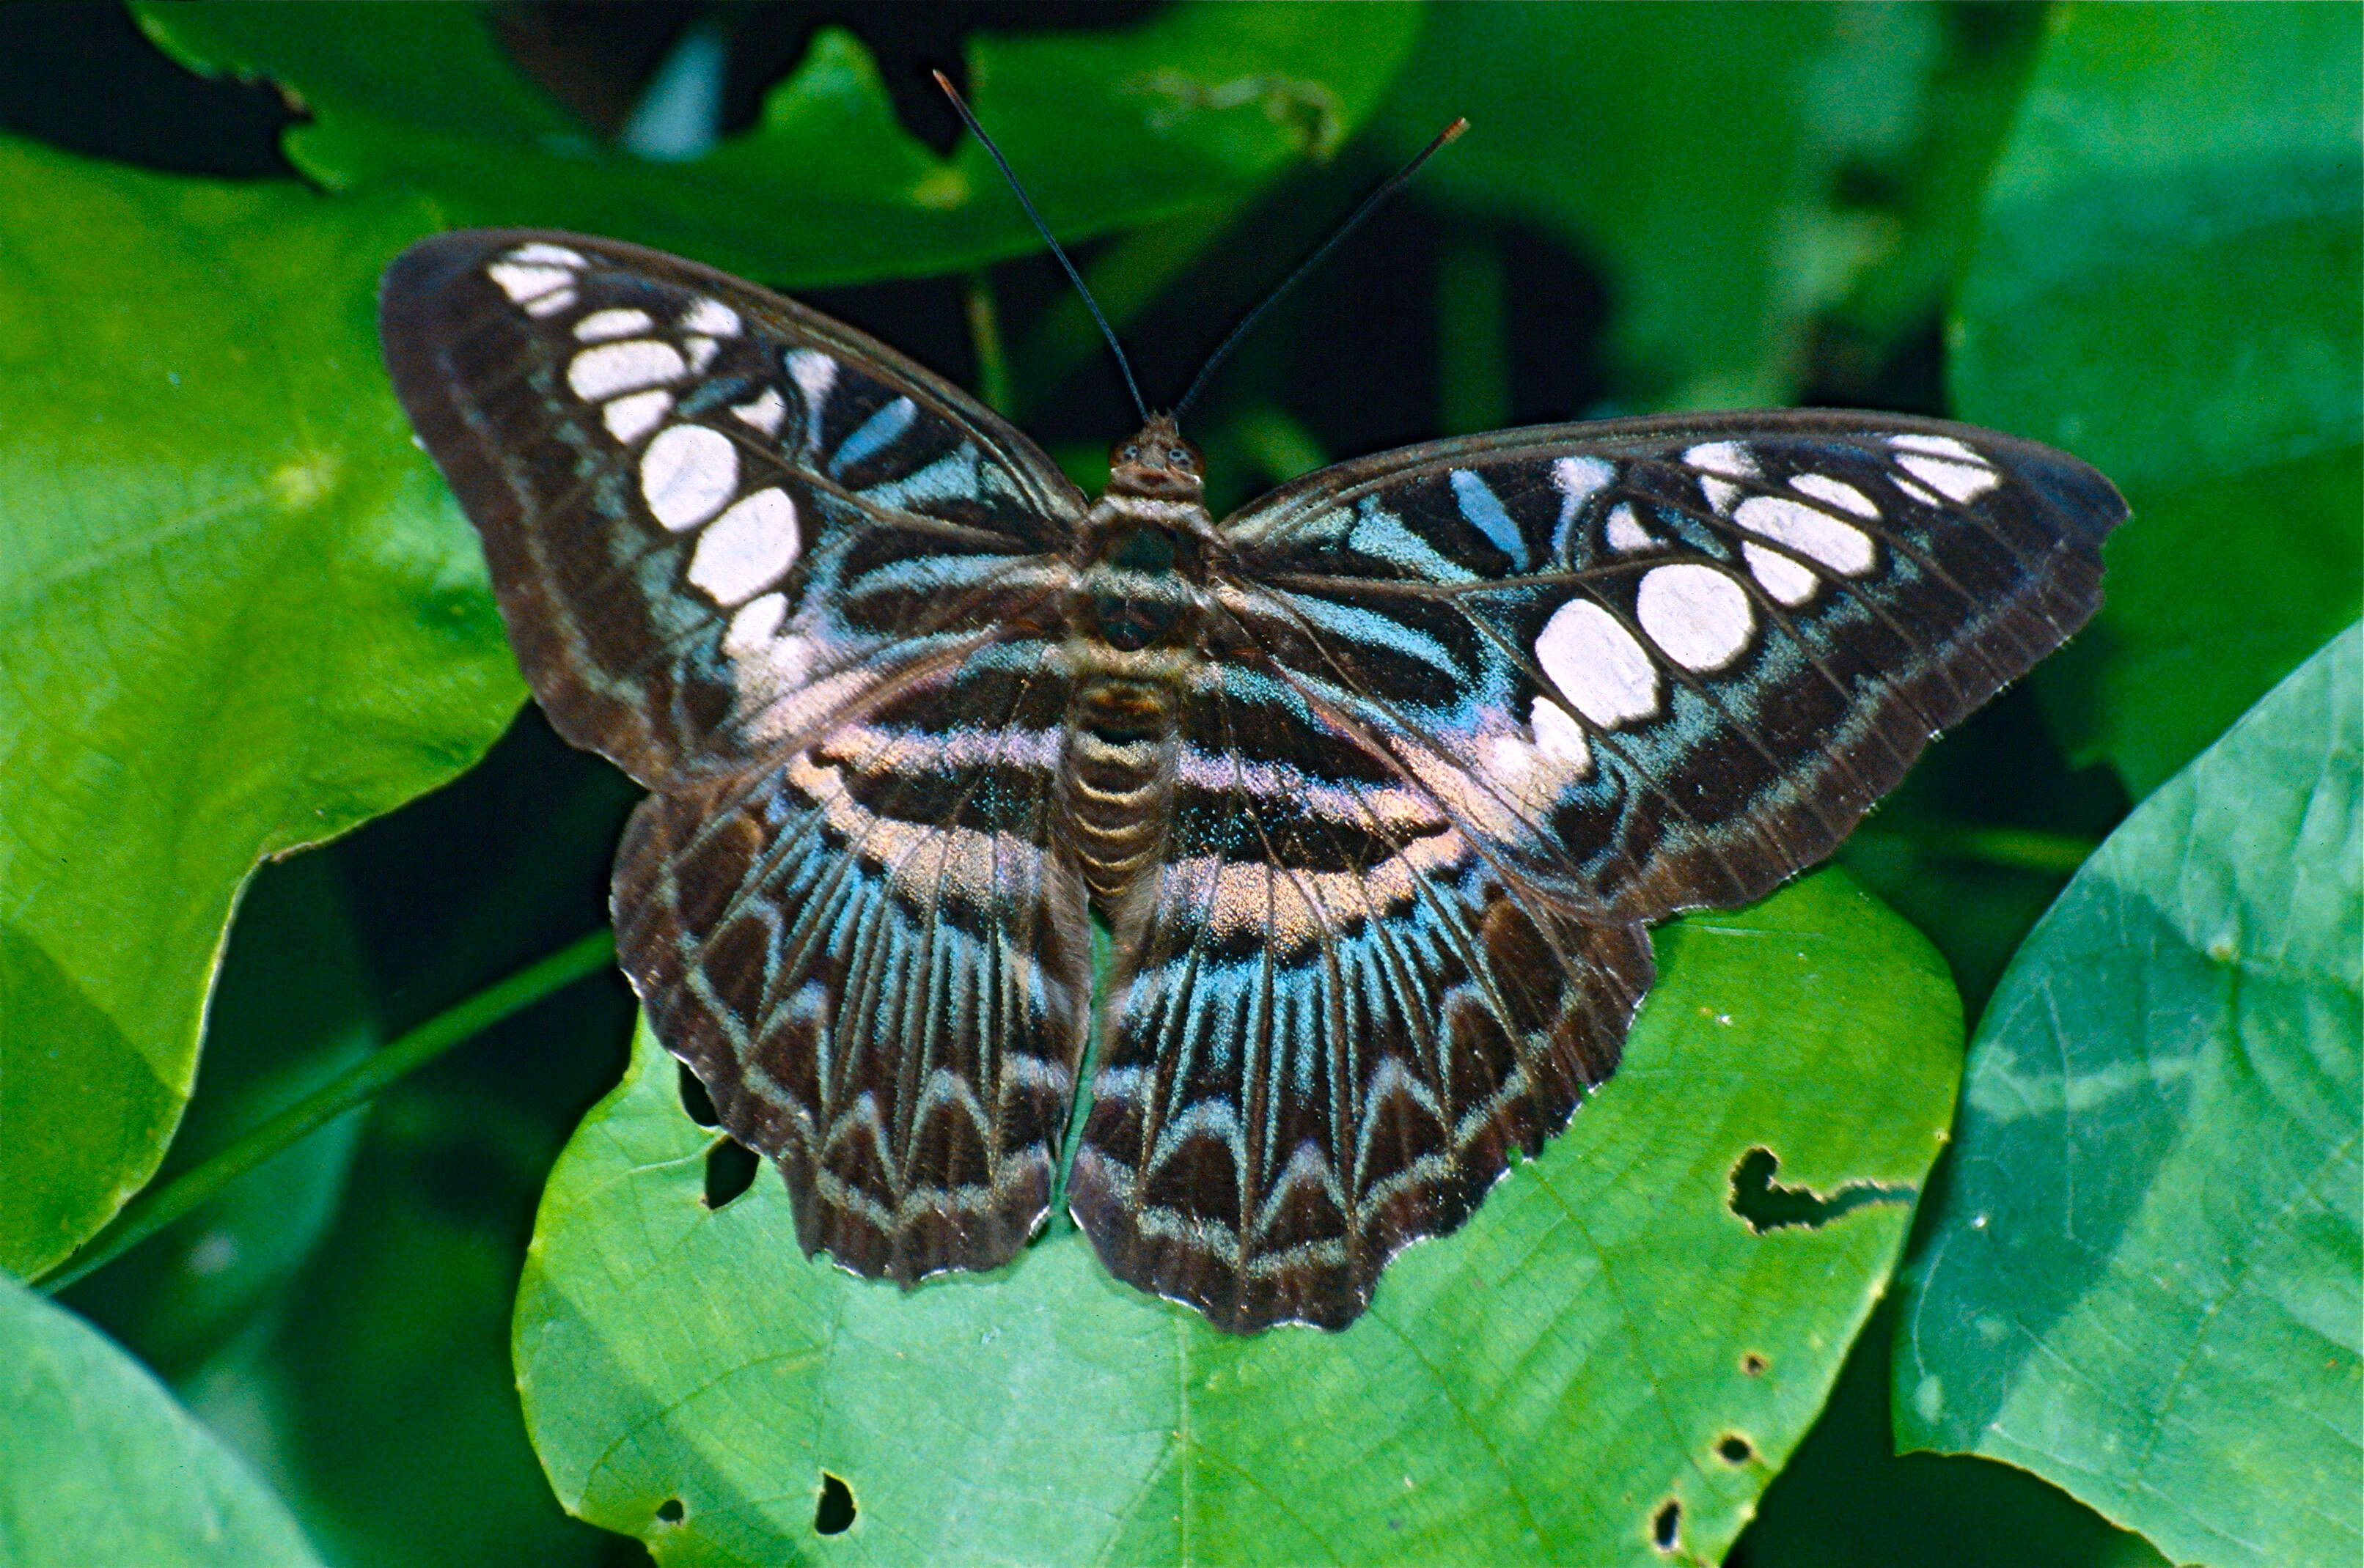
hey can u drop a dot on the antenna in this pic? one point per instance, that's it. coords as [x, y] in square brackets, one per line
[1043, 228]
[1370, 205]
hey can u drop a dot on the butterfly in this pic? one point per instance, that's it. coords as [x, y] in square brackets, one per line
[1376, 785]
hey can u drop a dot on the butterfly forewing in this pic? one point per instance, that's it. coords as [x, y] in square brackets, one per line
[795, 585]
[1658, 664]
[716, 519]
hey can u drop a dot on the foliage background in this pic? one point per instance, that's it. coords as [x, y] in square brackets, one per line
[242, 617]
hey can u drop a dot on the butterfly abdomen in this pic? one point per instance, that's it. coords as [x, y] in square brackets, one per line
[1117, 779]
[1134, 618]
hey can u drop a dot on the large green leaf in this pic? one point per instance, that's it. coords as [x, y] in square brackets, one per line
[97, 1464]
[1195, 107]
[2143, 1279]
[237, 613]
[2170, 284]
[1607, 1351]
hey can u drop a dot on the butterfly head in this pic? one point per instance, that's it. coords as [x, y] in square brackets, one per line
[1157, 465]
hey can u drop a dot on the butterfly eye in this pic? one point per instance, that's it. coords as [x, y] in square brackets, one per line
[1179, 456]
[1130, 454]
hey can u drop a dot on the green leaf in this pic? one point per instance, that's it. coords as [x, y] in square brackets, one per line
[2170, 284]
[237, 613]
[2142, 1283]
[1696, 151]
[1195, 107]
[97, 1464]
[1538, 1388]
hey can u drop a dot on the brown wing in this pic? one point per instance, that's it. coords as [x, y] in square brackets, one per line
[799, 587]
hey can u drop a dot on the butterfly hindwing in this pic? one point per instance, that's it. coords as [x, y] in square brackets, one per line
[876, 958]
[786, 579]
[716, 519]
[1335, 1021]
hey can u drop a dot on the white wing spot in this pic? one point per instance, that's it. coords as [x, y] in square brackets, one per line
[712, 317]
[629, 419]
[1958, 469]
[1605, 673]
[600, 373]
[1558, 736]
[687, 473]
[746, 549]
[1721, 493]
[1938, 446]
[1790, 582]
[1579, 478]
[1925, 497]
[1962, 480]
[765, 412]
[754, 625]
[1626, 534]
[601, 325]
[1836, 493]
[550, 303]
[549, 255]
[1729, 459]
[522, 284]
[1698, 616]
[1840, 546]
[814, 373]
[701, 352]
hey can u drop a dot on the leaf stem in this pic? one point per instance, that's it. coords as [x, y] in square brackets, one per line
[160, 1206]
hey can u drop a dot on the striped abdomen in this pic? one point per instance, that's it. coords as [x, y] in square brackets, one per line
[1117, 778]
[1134, 621]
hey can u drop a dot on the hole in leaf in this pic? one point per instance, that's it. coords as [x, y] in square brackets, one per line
[834, 1513]
[695, 1099]
[1753, 1365]
[1765, 1205]
[1666, 1526]
[670, 1511]
[1734, 1448]
[730, 1171]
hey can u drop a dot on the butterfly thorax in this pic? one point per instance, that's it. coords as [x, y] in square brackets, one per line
[1134, 646]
